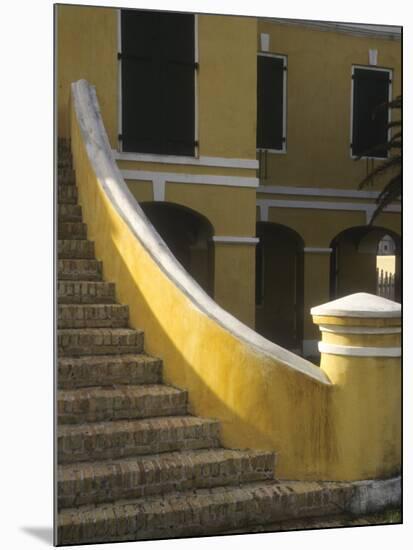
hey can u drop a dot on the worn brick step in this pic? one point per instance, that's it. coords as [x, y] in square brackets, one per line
[63, 144]
[72, 230]
[92, 315]
[75, 249]
[126, 438]
[96, 482]
[64, 161]
[104, 403]
[66, 194]
[69, 213]
[85, 292]
[66, 174]
[99, 341]
[79, 270]
[199, 511]
[74, 372]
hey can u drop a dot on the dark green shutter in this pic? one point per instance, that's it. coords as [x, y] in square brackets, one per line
[370, 115]
[158, 82]
[270, 102]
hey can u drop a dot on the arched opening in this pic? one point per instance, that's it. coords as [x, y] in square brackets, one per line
[366, 259]
[188, 236]
[279, 285]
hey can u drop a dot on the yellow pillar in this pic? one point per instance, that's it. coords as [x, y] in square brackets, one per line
[234, 276]
[360, 353]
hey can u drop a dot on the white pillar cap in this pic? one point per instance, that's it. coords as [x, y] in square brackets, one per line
[361, 305]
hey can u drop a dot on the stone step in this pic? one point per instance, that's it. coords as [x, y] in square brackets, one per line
[66, 174]
[76, 372]
[66, 194]
[92, 315]
[75, 249]
[63, 144]
[99, 341]
[199, 512]
[106, 481]
[79, 270]
[105, 403]
[69, 213]
[85, 292]
[126, 438]
[72, 230]
[64, 161]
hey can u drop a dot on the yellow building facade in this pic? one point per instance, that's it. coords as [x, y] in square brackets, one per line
[261, 230]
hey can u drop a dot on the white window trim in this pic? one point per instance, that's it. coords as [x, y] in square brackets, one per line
[369, 68]
[196, 86]
[282, 151]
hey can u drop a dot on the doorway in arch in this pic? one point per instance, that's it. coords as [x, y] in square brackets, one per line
[279, 285]
[366, 259]
[188, 235]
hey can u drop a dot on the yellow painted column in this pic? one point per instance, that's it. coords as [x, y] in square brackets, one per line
[234, 276]
[316, 291]
[360, 353]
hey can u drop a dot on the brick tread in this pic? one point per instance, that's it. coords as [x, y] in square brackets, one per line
[105, 481]
[99, 341]
[66, 194]
[125, 438]
[85, 292]
[75, 249]
[79, 270]
[108, 369]
[104, 403]
[92, 315]
[69, 213]
[199, 511]
[72, 230]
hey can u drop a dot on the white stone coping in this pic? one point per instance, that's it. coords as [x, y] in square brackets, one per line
[358, 351]
[361, 305]
[110, 178]
[342, 329]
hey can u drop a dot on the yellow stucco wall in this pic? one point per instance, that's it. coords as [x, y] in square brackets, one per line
[86, 47]
[318, 104]
[227, 86]
[362, 385]
[348, 430]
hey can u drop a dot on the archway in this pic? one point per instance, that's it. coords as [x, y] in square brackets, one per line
[188, 236]
[356, 264]
[279, 285]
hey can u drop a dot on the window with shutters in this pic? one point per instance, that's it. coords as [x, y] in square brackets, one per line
[158, 82]
[371, 90]
[271, 102]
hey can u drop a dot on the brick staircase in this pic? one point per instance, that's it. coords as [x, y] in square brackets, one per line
[132, 463]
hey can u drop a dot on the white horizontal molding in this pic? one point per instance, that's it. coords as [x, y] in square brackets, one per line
[339, 329]
[324, 205]
[316, 192]
[199, 179]
[235, 240]
[317, 250]
[223, 162]
[357, 351]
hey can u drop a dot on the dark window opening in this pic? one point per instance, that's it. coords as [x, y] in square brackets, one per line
[270, 102]
[158, 82]
[371, 90]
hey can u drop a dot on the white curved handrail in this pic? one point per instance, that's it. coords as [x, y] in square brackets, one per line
[108, 174]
